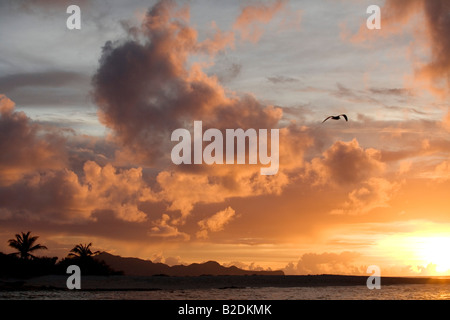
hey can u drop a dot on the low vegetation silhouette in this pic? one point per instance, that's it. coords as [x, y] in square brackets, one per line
[82, 256]
[23, 264]
[82, 251]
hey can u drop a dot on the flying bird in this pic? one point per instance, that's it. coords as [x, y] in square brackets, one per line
[336, 117]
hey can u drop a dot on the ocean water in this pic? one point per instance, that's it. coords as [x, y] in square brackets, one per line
[388, 292]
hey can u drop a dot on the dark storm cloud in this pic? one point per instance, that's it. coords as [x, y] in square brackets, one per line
[145, 90]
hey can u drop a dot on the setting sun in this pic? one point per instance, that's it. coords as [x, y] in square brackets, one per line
[422, 253]
[435, 250]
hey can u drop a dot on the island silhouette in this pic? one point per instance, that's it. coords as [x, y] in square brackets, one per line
[23, 264]
[21, 270]
[140, 267]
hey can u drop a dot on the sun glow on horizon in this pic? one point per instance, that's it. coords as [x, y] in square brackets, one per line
[435, 250]
[422, 253]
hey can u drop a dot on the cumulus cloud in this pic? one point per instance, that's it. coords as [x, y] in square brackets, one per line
[118, 190]
[215, 223]
[246, 266]
[348, 165]
[162, 228]
[146, 89]
[6, 105]
[25, 145]
[62, 196]
[345, 163]
[183, 190]
[374, 193]
[325, 263]
[170, 261]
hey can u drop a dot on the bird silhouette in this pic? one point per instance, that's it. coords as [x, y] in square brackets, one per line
[336, 117]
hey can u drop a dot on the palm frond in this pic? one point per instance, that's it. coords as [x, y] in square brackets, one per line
[24, 244]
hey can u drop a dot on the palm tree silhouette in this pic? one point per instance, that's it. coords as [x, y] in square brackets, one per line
[25, 244]
[82, 251]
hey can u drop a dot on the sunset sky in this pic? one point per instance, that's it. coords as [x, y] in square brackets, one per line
[86, 118]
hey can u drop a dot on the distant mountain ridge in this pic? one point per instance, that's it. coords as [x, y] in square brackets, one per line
[139, 267]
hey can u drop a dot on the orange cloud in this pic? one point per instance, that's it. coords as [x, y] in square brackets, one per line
[374, 193]
[26, 146]
[62, 196]
[160, 91]
[171, 261]
[215, 223]
[442, 171]
[345, 163]
[161, 228]
[118, 190]
[395, 17]
[6, 105]
[218, 42]
[183, 190]
[185, 187]
[446, 121]
[326, 263]
[252, 18]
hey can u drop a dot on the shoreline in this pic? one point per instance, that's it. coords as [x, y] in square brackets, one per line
[154, 283]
